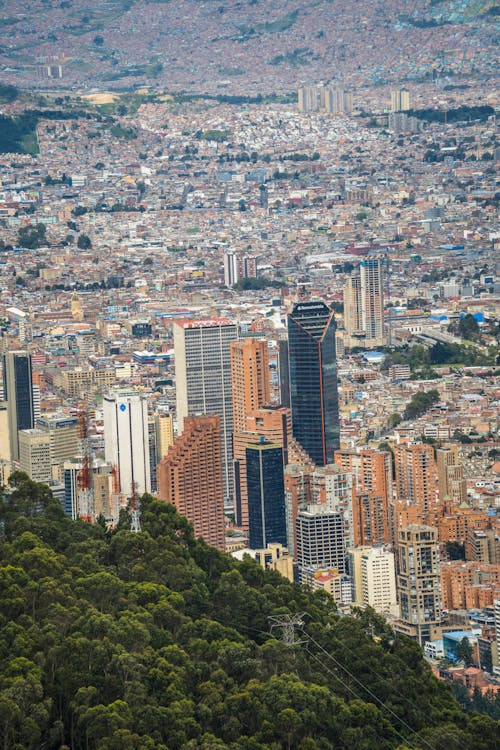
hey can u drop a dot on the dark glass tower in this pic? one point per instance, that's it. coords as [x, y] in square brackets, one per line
[313, 380]
[18, 392]
[266, 495]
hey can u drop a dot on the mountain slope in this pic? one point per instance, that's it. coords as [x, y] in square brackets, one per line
[155, 641]
[245, 47]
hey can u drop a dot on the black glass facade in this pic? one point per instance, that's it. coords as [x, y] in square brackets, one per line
[266, 495]
[313, 380]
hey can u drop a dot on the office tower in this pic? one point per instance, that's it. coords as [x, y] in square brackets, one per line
[190, 477]
[274, 424]
[18, 392]
[266, 494]
[164, 426]
[4, 432]
[353, 317]
[416, 475]
[63, 437]
[313, 380]
[238, 266]
[203, 381]
[419, 582]
[400, 100]
[374, 579]
[126, 443]
[34, 454]
[451, 481]
[320, 540]
[372, 301]
[308, 98]
[496, 664]
[250, 378]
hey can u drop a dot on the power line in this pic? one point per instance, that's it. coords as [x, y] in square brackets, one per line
[364, 687]
[351, 690]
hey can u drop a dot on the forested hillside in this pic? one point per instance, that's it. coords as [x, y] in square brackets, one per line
[154, 641]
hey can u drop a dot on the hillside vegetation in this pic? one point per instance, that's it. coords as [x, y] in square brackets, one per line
[154, 641]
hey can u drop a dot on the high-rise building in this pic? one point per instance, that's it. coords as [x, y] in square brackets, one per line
[126, 439]
[18, 392]
[190, 477]
[4, 432]
[203, 381]
[416, 475]
[308, 98]
[335, 100]
[274, 424]
[266, 494]
[353, 317]
[419, 581]
[164, 426]
[374, 579]
[34, 454]
[237, 266]
[451, 480]
[64, 443]
[320, 540]
[153, 453]
[372, 301]
[400, 100]
[250, 378]
[313, 380]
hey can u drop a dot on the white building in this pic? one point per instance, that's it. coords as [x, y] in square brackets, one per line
[126, 443]
[378, 580]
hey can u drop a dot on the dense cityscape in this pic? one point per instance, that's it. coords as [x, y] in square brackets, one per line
[278, 318]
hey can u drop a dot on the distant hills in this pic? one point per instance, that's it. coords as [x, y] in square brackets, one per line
[258, 46]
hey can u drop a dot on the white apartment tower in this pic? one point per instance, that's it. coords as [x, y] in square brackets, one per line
[372, 300]
[126, 443]
[203, 381]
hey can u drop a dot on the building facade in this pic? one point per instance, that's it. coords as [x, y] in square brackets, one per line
[313, 380]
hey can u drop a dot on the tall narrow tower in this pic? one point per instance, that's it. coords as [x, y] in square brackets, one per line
[313, 379]
[18, 392]
[126, 439]
[250, 378]
[372, 301]
[203, 381]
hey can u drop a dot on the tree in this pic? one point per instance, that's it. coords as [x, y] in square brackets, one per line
[84, 242]
[464, 653]
[468, 328]
[32, 237]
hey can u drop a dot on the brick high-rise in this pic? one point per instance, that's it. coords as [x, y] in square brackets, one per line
[190, 477]
[416, 475]
[250, 378]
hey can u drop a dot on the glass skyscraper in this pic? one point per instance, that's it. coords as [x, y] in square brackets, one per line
[18, 392]
[313, 380]
[266, 495]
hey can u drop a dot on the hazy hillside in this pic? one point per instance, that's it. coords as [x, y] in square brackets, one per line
[245, 47]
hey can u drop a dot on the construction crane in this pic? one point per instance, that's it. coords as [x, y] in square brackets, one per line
[85, 491]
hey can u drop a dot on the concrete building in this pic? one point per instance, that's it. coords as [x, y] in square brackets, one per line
[377, 588]
[34, 454]
[164, 426]
[250, 378]
[4, 432]
[419, 581]
[190, 477]
[203, 381]
[416, 475]
[64, 441]
[320, 539]
[126, 439]
[400, 100]
[451, 480]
